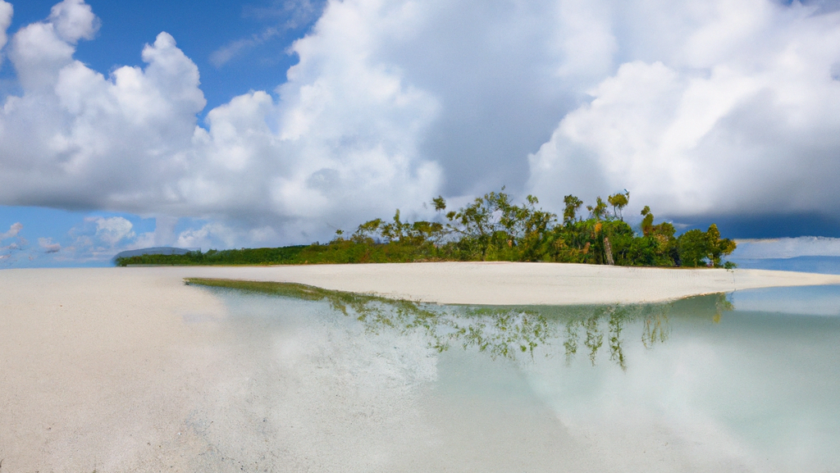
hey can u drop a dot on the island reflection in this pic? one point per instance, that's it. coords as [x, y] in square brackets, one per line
[503, 331]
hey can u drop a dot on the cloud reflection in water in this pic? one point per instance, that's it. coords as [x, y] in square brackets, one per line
[507, 332]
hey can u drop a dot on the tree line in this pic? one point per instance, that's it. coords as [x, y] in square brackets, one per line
[494, 228]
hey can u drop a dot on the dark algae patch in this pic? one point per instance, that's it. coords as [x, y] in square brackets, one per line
[507, 332]
[493, 228]
[296, 291]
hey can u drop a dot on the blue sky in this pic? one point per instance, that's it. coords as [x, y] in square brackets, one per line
[227, 124]
[201, 29]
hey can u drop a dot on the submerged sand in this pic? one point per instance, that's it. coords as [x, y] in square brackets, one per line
[128, 369]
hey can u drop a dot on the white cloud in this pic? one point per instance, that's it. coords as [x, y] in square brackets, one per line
[735, 116]
[130, 142]
[112, 230]
[9, 252]
[285, 16]
[77, 139]
[48, 245]
[74, 20]
[223, 55]
[787, 248]
[144, 240]
[100, 238]
[6, 11]
[289, 13]
[164, 234]
[695, 107]
[14, 229]
[217, 235]
[206, 237]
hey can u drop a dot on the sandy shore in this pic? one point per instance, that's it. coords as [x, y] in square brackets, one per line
[128, 369]
[511, 283]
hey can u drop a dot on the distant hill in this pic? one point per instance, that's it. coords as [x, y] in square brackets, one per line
[158, 250]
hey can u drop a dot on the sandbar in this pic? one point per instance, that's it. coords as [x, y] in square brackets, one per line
[500, 283]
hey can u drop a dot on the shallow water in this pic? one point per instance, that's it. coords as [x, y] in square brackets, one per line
[744, 382]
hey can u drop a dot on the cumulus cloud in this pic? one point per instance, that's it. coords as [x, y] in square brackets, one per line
[74, 20]
[218, 235]
[48, 245]
[207, 236]
[6, 11]
[130, 142]
[112, 230]
[14, 229]
[695, 107]
[735, 115]
[98, 239]
[9, 252]
[77, 139]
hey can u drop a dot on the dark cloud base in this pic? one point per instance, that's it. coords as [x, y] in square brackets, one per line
[767, 226]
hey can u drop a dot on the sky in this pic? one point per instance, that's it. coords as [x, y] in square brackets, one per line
[223, 124]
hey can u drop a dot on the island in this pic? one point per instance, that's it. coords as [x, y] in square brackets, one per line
[492, 228]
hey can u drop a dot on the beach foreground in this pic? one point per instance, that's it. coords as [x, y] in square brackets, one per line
[129, 369]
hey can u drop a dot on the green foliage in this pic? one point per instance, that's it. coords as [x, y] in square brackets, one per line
[599, 210]
[697, 248]
[618, 202]
[572, 206]
[493, 228]
[283, 255]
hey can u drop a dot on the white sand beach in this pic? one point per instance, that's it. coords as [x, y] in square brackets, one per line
[128, 369]
[513, 283]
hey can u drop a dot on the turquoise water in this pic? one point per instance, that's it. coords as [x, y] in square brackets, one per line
[748, 381]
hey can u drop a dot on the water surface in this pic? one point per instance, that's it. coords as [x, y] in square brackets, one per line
[741, 382]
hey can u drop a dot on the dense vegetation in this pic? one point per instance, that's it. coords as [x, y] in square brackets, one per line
[283, 255]
[493, 228]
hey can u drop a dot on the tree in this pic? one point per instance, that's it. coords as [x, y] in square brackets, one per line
[618, 202]
[692, 247]
[699, 248]
[493, 227]
[599, 211]
[368, 230]
[647, 222]
[572, 206]
[717, 247]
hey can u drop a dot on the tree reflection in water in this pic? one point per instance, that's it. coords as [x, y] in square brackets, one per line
[502, 331]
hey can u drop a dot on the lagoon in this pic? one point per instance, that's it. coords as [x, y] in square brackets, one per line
[127, 370]
[711, 383]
